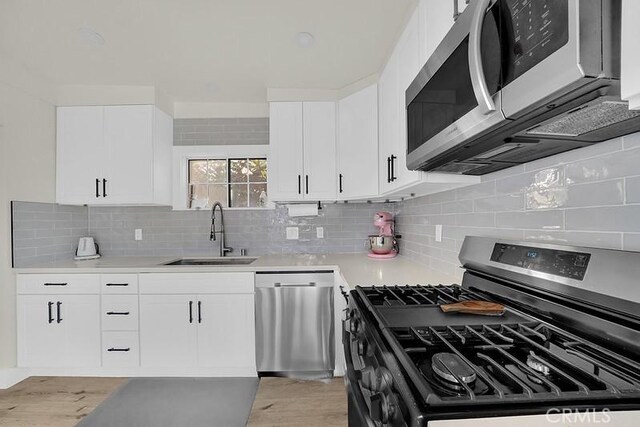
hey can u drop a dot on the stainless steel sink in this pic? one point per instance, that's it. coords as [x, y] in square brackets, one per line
[212, 261]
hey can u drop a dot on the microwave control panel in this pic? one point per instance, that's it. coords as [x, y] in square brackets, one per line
[560, 263]
[537, 28]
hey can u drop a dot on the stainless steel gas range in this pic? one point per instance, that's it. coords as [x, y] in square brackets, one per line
[565, 344]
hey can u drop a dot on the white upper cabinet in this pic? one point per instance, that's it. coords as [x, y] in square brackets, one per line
[113, 155]
[302, 163]
[358, 145]
[424, 31]
[630, 73]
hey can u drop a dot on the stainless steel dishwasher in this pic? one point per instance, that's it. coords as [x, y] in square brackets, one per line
[294, 322]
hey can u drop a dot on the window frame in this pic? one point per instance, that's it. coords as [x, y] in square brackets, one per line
[182, 155]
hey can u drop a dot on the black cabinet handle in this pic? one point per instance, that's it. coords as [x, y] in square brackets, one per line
[117, 313]
[58, 304]
[118, 349]
[55, 284]
[117, 284]
[104, 187]
[50, 304]
[299, 185]
[199, 311]
[393, 168]
[190, 311]
[306, 183]
[340, 176]
[388, 169]
[97, 188]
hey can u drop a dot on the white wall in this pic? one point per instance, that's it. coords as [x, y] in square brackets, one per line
[27, 172]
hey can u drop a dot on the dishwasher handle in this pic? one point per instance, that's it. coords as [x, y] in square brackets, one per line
[294, 285]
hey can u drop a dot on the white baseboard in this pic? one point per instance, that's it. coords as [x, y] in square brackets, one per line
[12, 376]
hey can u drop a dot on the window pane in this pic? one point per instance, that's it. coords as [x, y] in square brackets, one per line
[198, 171]
[217, 193]
[198, 196]
[218, 171]
[257, 195]
[239, 171]
[258, 170]
[239, 195]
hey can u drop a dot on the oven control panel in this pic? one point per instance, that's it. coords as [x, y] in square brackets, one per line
[560, 263]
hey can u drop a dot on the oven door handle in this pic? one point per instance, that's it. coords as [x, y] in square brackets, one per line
[353, 386]
[476, 70]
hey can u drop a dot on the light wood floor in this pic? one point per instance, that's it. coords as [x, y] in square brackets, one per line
[289, 402]
[64, 401]
[53, 401]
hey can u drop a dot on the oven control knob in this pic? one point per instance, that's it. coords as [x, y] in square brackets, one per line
[376, 379]
[382, 409]
[354, 323]
[363, 347]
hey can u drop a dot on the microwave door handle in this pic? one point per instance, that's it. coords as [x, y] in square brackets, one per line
[478, 81]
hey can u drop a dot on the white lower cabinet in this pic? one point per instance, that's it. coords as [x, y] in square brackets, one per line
[58, 330]
[194, 330]
[168, 336]
[158, 323]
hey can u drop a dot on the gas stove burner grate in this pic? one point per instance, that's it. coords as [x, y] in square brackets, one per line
[415, 295]
[526, 361]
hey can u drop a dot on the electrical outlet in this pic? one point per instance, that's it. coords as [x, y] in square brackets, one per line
[438, 232]
[320, 232]
[292, 233]
[138, 234]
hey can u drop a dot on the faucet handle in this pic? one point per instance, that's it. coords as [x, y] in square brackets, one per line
[226, 250]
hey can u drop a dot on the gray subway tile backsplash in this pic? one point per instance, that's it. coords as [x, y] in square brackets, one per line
[584, 197]
[221, 131]
[46, 232]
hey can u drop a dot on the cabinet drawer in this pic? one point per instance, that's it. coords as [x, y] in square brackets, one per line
[196, 283]
[119, 283]
[120, 312]
[57, 284]
[120, 349]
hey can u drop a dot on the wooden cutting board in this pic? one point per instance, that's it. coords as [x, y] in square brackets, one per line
[484, 308]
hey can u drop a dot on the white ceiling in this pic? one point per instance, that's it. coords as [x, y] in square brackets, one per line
[203, 50]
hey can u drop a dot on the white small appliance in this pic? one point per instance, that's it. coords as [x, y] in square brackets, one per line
[87, 249]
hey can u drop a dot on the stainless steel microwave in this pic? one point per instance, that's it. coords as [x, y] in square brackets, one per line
[517, 80]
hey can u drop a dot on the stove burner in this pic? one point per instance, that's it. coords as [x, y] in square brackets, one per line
[451, 368]
[534, 363]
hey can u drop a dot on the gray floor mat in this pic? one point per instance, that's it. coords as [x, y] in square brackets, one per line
[177, 402]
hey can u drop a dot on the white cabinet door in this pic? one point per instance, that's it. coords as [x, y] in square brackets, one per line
[630, 72]
[358, 144]
[319, 135]
[219, 344]
[40, 338]
[388, 122]
[79, 315]
[128, 139]
[408, 67]
[286, 148]
[59, 330]
[168, 330]
[436, 18]
[80, 149]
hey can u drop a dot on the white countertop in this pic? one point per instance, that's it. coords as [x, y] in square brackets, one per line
[356, 269]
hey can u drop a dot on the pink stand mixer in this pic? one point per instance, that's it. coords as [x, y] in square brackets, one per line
[384, 244]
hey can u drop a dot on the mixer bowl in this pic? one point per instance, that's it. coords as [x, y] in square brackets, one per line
[381, 245]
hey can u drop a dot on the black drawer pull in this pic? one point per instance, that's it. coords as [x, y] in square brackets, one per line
[118, 313]
[117, 284]
[58, 312]
[118, 349]
[104, 188]
[50, 304]
[97, 188]
[56, 284]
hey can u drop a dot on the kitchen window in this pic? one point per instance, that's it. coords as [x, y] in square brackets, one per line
[234, 182]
